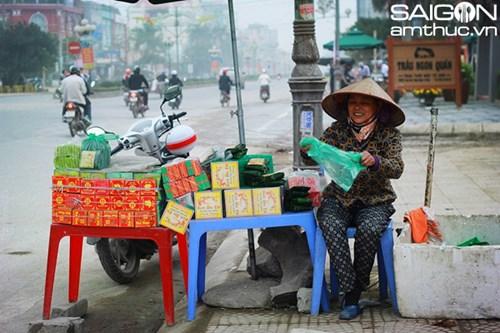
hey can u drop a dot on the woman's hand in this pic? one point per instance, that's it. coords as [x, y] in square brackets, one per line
[367, 159]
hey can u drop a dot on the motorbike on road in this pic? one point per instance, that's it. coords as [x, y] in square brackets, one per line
[224, 98]
[73, 116]
[136, 102]
[165, 140]
[176, 102]
[264, 93]
[58, 94]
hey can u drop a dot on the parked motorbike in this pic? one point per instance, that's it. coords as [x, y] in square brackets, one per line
[264, 93]
[136, 102]
[160, 138]
[224, 98]
[176, 102]
[73, 115]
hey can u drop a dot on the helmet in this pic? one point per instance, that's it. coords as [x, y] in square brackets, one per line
[174, 72]
[128, 71]
[181, 140]
[137, 69]
[74, 70]
[263, 70]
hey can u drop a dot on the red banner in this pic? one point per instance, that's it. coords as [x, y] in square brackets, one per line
[88, 58]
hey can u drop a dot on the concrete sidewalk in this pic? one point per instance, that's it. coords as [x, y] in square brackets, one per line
[475, 117]
[463, 184]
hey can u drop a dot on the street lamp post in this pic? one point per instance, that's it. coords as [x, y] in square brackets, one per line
[84, 30]
[307, 83]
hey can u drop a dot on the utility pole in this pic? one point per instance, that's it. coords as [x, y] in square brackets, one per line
[307, 83]
[177, 38]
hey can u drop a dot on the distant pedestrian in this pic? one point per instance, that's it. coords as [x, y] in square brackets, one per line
[364, 70]
[384, 69]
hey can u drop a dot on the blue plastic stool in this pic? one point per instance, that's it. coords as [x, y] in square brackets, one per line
[198, 246]
[385, 269]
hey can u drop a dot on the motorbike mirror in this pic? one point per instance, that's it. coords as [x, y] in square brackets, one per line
[96, 130]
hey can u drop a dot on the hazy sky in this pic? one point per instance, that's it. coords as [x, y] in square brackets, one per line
[279, 15]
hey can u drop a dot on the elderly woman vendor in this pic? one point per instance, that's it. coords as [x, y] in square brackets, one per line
[366, 120]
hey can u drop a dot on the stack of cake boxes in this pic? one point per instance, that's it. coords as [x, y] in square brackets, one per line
[237, 202]
[95, 201]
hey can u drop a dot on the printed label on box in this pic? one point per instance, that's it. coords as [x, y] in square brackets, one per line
[126, 219]
[62, 216]
[238, 202]
[225, 175]
[266, 201]
[79, 217]
[110, 218]
[208, 204]
[176, 217]
[94, 219]
[145, 219]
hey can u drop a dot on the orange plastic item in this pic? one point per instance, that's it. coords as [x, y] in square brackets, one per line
[422, 226]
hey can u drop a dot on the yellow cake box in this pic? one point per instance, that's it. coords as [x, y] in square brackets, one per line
[176, 217]
[266, 201]
[225, 175]
[208, 205]
[238, 202]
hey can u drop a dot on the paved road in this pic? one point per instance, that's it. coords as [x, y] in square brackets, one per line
[31, 129]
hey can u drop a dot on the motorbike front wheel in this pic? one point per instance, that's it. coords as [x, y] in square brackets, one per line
[119, 258]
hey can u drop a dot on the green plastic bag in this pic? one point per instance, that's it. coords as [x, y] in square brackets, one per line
[342, 166]
[100, 145]
[472, 242]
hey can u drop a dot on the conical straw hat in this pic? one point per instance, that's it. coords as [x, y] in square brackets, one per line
[335, 104]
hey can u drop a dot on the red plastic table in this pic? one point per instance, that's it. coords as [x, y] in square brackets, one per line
[161, 236]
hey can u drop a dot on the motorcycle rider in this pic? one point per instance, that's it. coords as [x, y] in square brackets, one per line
[135, 83]
[174, 80]
[126, 76]
[74, 89]
[265, 80]
[225, 84]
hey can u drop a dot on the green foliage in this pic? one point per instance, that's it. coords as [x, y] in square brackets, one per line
[381, 25]
[210, 30]
[24, 51]
[148, 40]
[467, 72]
[324, 6]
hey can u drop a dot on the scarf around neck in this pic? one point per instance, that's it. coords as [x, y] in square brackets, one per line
[363, 131]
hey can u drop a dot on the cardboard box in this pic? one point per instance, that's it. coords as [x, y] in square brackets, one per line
[110, 218]
[193, 167]
[203, 182]
[145, 219]
[186, 200]
[117, 186]
[88, 201]
[80, 217]
[120, 175]
[62, 216]
[132, 202]
[66, 200]
[208, 204]
[66, 184]
[176, 171]
[118, 203]
[87, 187]
[148, 203]
[266, 201]
[67, 172]
[92, 175]
[132, 187]
[95, 186]
[225, 175]
[148, 186]
[126, 219]
[238, 202]
[94, 218]
[176, 217]
[103, 202]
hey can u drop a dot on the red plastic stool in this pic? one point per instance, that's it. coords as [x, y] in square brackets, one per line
[161, 236]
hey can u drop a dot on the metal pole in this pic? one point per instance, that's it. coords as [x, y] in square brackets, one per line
[337, 37]
[177, 39]
[430, 160]
[241, 125]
